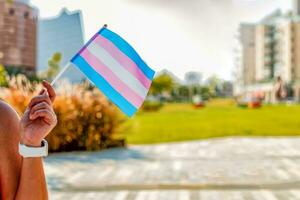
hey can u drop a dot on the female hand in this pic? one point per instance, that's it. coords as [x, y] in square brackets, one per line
[39, 118]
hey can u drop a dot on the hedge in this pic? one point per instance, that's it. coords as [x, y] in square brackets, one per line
[86, 119]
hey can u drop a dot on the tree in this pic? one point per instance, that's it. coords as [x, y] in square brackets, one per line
[205, 93]
[3, 77]
[192, 78]
[53, 66]
[162, 83]
[227, 89]
[214, 84]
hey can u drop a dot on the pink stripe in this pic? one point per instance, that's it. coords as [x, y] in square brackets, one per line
[110, 77]
[123, 60]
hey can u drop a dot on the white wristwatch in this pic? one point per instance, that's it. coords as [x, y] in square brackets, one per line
[33, 152]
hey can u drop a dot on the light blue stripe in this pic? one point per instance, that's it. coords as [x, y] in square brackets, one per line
[104, 86]
[129, 51]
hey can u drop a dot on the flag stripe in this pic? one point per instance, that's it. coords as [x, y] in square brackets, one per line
[128, 50]
[105, 87]
[123, 60]
[88, 43]
[111, 78]
[116, 69]
[103, 56]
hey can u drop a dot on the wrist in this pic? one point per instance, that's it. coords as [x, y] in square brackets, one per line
[30, 143]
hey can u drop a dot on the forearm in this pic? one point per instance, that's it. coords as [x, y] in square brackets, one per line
[32, 185]
[36, 123]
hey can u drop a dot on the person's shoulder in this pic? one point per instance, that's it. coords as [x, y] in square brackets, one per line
[7, 114]
[9, 125]
[5, 107]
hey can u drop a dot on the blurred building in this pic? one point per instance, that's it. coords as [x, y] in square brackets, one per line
[248, 32]
[269, 49]
[61, 34]
[296, 7]
[18, 22]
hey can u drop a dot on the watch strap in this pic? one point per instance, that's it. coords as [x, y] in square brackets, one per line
[33, 152]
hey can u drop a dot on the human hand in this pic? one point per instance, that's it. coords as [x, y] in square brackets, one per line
[39, 117]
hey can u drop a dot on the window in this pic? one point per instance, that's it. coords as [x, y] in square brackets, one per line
[11, 12]
[26, 15]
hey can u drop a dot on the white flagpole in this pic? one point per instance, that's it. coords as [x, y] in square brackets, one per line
[60, 73]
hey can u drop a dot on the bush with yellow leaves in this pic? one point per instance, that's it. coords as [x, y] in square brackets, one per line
[86, 120]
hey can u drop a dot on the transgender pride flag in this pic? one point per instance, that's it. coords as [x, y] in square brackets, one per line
[116, 69]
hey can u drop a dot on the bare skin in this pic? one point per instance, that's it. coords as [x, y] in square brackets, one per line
[24, 178]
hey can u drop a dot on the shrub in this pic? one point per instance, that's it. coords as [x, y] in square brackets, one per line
[3, 76]
[152, 106]
[86, 120]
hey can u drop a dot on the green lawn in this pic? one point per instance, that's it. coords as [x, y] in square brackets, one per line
[179, 122]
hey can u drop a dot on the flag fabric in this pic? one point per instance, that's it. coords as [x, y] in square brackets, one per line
[116, 69]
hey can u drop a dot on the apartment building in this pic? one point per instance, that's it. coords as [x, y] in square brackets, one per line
[18, 24]
[269, 49]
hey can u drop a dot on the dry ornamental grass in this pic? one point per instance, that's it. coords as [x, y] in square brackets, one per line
[86, 119]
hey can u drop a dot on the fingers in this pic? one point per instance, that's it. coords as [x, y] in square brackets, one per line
[50, 90]
[47, 94]
[39, 106]
[47, 115]
[39, 99]
[42, 91]
[45, 111]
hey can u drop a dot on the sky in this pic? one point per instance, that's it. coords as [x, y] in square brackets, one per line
[177, 35]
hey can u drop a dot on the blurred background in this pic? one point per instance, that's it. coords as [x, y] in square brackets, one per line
[221, 120]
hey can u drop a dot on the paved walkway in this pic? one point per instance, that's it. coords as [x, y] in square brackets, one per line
[217, 169]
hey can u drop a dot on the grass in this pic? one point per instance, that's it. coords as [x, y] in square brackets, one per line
[220, 118]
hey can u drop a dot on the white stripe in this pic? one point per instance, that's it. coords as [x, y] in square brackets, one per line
[142, 195]
[267, 195]
[184, 195]
[121, 195]
[263, 194]
[282, 174]
[295, 193]
[117, 69]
